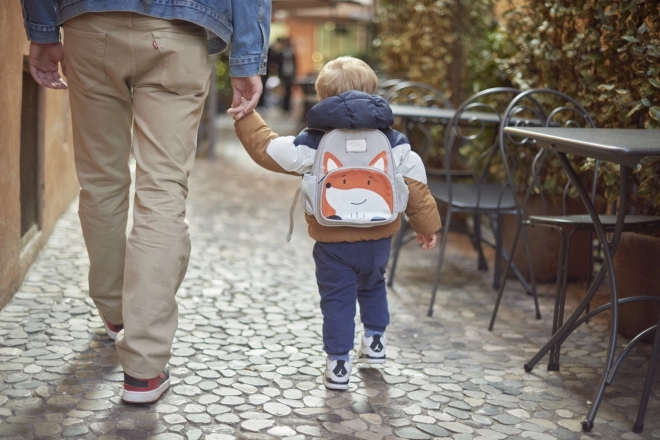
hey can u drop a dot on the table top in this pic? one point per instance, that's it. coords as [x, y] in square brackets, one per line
[626, 146]
[414, 111]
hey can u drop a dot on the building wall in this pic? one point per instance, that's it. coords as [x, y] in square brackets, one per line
[60, 185]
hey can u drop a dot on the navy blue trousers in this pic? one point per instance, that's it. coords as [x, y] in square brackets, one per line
[346, 272]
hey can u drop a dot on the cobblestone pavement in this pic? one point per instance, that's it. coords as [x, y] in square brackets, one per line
[247, 357]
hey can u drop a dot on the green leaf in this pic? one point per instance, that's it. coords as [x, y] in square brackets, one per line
[655, 112]
[638, 107]
[655, 83]
[630, 38]
[646, 102]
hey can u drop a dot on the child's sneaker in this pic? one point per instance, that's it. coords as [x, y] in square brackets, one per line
[145, 390]
[337, 374]
[372, 349]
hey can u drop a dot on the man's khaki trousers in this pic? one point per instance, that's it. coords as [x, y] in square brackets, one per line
[139, 82]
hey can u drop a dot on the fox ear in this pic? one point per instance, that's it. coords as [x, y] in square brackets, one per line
[330, 163]
[380, 162]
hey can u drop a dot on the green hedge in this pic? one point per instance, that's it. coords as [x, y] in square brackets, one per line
[603, 53]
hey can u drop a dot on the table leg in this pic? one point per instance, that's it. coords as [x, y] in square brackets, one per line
[609, 248]
[648, 383]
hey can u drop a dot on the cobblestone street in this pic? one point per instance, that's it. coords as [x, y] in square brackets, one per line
[248, 359]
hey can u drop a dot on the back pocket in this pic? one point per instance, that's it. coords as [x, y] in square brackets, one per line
[186, 67]
[83, 57]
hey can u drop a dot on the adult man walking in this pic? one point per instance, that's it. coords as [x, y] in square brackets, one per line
[138, 74]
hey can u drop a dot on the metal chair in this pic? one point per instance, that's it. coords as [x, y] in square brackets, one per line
[416, 93]
[422, 95]
[475, 123]
[385, 85]
[539, 104]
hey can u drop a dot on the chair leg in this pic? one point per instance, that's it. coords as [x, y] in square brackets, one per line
[562, 298]
[398, 242]
[499, 237]
[507, 267]
[481, 265]
[443, 245]
[531, 273]
[648, 383]
[590, 267]
[552, 366]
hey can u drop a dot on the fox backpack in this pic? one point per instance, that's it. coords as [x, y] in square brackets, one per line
[354, 181]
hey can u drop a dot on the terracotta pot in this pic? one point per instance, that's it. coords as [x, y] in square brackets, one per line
[636, 265]
[544, 243]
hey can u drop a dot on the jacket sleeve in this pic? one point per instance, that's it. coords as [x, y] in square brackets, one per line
[259, 141]
[40, 22]
[422, 211]
[250, 37]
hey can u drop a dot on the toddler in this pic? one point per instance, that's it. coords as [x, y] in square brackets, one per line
[350, 261]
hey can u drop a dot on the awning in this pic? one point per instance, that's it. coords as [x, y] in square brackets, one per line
[290, 5]
[322, 10]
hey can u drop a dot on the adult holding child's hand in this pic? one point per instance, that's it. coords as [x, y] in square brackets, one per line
[247, 91]
[137, 81]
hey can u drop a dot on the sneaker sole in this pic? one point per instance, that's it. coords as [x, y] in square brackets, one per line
[335, 386]
[146, 396]
[371, 360]
[112, 335]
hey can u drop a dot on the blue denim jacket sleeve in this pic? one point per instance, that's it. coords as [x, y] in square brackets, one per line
[40, 22]
[250, 36]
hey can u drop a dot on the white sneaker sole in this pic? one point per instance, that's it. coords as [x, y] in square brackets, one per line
[112, 335]
[363, 357]
[335, 386]
[367, 360]
[146, 396]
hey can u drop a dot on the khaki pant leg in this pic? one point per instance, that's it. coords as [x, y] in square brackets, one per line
[98, 65]
[168, 96]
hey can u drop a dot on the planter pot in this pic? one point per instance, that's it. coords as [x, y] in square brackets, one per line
[636, 265]
[544, 243]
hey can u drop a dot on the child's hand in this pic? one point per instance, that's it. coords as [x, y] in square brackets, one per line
[427, 241]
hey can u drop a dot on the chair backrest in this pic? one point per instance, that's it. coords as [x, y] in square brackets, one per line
[523, 160]
[416, 93]
[418, 130]
[471, 138]
[385, 85]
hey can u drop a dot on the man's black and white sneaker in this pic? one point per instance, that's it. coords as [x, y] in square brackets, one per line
[372, 349]
[337, 374]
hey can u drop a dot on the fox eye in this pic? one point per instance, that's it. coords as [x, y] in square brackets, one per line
[368, 182]
[344, 181]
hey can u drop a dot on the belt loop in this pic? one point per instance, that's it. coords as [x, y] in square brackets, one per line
[130, 20]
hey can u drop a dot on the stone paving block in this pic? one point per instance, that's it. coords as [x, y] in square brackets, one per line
[248, 354]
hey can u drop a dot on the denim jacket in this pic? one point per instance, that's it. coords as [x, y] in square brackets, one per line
[250, 18]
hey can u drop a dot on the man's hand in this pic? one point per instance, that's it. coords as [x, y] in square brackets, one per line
[44, 61]
[247, 91]
[427, 241]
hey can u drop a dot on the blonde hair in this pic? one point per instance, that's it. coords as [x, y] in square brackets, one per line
[343, 74]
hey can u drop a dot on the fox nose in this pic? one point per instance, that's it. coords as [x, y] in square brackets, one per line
[327, 185]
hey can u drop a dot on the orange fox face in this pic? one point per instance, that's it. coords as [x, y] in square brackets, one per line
[357, 194]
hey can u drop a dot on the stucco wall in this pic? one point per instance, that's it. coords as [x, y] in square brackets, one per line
[10, 126]
[59, 181]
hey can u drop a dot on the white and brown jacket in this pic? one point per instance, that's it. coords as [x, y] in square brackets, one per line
[295, 155]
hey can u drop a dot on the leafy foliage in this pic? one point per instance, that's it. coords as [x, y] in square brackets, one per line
[439, 42]
[603, 53]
